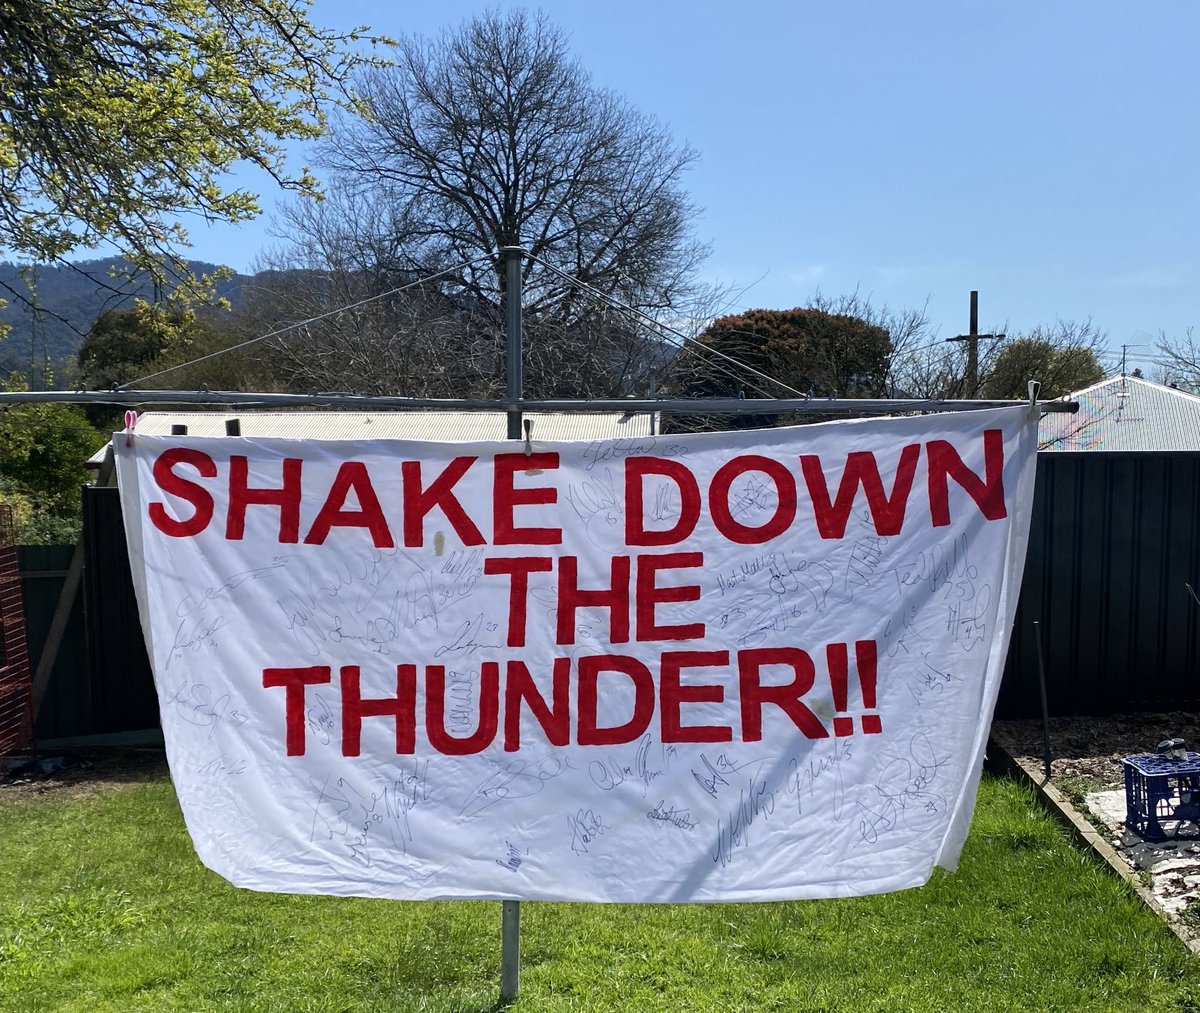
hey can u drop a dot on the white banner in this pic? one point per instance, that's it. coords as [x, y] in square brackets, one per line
[722, 667]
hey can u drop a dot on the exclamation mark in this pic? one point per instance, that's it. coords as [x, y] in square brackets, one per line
[836, 657]
[864, 654]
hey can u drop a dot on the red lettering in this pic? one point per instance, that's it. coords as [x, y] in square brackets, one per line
[636, 469]
[785, 499]
[887, 512]
[589, 733]
[945, 464]
[294, 680]
[402, 708]
[286, 498]
[518, 569]
[673, 694]
[174, 485]
[554, 719]
[352, 476]
[435, 711]
[787, 698]
[614, 598]
[506, 497]
[648, 595]
[440, 494]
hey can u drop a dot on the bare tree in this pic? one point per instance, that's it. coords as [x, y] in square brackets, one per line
[377, 331]
[908, 331]
[492, 135]
[933, 370]
[489, 136]
[351, 330]
[1179, 359]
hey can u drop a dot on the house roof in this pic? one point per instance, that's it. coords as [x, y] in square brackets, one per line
[395, 425]
[1125, 413]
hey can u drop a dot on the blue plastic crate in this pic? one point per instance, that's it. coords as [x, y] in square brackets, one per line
[1162, 796]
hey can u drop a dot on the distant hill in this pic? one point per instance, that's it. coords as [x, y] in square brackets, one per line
[49, 323]
[51, 317]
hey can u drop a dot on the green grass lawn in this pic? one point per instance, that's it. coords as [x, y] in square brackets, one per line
[104, 906]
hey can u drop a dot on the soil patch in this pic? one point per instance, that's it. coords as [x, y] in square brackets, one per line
[1091, 748]
[78, 774]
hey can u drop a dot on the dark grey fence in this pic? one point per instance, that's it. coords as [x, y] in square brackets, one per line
[123, 696]
[66, 706]
[1114, 546]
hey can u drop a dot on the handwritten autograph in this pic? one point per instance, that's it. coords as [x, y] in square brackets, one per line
[355, 817]
[516, 779]
[903, 793]
[611, 773]
[674, 816]
[802, 779]
[715, 774]
[467, 640]
[193, 635]
[585, 827]
[755, 801]
[513, 858]
[198, 601]
[194, 703]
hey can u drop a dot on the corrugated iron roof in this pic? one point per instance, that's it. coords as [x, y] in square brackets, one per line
[447, 426]
[1125, 413]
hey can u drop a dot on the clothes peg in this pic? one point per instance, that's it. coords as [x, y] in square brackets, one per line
[1035, 412]
[528, 437]
[131, 418]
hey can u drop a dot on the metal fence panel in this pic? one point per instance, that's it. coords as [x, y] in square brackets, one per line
[1114, 544]
[122, 689]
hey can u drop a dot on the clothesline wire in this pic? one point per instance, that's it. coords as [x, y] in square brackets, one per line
[305, 323]
[687, 341]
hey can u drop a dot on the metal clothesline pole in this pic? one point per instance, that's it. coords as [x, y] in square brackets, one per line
[510, 910]
[669, 406]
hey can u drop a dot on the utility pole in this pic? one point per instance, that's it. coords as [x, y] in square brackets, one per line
[972, 338]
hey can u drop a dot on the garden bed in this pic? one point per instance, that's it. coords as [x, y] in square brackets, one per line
[1086, 769]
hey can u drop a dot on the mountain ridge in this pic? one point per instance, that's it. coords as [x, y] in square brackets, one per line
[50, 317]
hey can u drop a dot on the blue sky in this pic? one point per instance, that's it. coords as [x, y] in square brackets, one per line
[1043, 153]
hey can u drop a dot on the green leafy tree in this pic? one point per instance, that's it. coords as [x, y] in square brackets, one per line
[43, 448]
[120, 347]
[199, 353]
[118, 115]
[119, 343]
[125, 345]
[810, 350]
[1062, 359]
